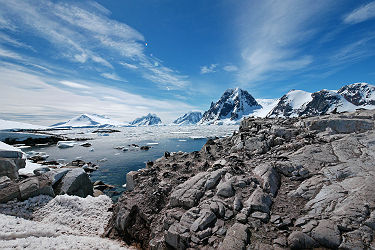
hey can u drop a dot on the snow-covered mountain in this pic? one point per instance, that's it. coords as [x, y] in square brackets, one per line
[87, 121]
[230, 108]
[360, 94]
[190, 118]
[325, 102]
[291, 104]
[148, 120]
[349, 98]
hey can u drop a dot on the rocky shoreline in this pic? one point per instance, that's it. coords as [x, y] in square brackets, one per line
[291, 183]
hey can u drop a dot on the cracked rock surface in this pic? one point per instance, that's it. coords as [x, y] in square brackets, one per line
[291, 183]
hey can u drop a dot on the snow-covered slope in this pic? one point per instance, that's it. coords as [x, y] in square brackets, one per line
[189, 118]
[10, 125]
[267, 106]
[87, 121]
[291, 104]
[148, 120]
[360, 94]
[230, 108]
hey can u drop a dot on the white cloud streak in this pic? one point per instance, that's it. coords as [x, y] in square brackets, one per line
[128, 65]
[74, 85]
[5, 39]
[361, 14]
[112, 76]
[85, 36]
[9, 54]
[271, 36]
[230, 68]
[208, 69]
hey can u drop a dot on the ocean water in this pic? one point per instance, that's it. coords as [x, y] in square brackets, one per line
[115, 164]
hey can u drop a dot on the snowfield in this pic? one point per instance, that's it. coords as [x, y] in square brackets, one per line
[65, 222]
[10, 125]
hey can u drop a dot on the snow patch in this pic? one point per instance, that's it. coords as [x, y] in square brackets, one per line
[65, 222]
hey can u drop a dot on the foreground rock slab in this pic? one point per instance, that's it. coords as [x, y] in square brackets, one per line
[297, 183]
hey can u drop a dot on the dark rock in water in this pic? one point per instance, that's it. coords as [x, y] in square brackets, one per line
[105, 130]
[295, 183]
[145, 148]
[90, 167]
[86, 145]
[77, 163]
[40, 171]
[49, 163]
[99, 185]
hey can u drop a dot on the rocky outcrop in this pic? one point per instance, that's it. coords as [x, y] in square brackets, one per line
[296, 183]
[11, 160]
[22, 190]
[75, 182]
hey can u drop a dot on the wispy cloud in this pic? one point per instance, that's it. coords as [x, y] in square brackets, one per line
[363, 13]
[84, 33]
[272, 36]
[74, 85]
[112, 76]
[354, 51]
[128, 65]
[230, 68]
[9, 54]
[208, 69]
[4, 38]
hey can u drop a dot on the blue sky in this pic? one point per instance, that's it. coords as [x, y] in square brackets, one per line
[127, 58]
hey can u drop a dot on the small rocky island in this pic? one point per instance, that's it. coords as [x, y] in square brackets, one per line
[295, 183]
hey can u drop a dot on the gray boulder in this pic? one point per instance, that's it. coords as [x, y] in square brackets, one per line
[131, 178]
[327, 234]
[190, 192]
[75, 182]
[8, 168]
[205, 219]
[35, 186]
[271, 178]
[11, 160]
[259, 201]
[25, 189]
[56, 175]
[299, 240]
[225, 188]
[177, 236]
[236, 238]
[40, 171]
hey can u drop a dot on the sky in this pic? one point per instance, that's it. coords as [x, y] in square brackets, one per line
[127, 58]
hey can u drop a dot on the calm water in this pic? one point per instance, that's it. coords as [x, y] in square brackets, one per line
[118, 163]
